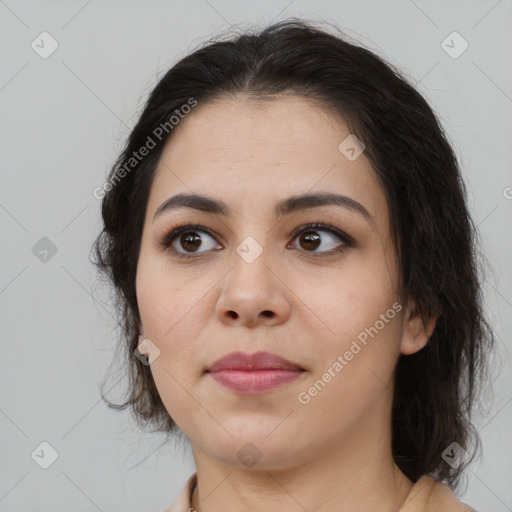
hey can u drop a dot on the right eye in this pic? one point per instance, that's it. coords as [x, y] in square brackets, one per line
[188, 237]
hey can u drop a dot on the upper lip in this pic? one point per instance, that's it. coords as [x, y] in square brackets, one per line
[255, 361]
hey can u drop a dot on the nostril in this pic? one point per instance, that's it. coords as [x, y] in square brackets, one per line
[267, 313]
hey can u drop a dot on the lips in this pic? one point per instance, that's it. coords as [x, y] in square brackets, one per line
[254, 373]
[253, 362]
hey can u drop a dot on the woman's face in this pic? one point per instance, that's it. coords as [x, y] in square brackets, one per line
[260, 280]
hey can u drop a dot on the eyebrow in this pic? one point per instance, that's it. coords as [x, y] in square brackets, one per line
[282, 208]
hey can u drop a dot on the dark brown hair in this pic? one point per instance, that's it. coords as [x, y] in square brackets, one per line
[434, 237]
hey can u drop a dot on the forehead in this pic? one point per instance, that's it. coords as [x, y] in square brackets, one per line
[252, 152]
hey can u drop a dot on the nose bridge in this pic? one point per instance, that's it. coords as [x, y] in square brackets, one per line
[254, 229]
[251, 291]
[251, 265]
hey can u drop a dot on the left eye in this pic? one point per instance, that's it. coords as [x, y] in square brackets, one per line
[323, 238]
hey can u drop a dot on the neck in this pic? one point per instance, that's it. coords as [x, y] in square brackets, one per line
[359, 474]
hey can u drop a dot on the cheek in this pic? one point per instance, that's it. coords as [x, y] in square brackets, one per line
[362, 324]
[175, 308]
[354, 301]
[170, 302]
[172, 316]
[172, 379]
[356, 370]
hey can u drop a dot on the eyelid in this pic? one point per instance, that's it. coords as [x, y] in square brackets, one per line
[179, 229]
[321, 226]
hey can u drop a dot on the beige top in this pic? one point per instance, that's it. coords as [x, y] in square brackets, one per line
[427, 495]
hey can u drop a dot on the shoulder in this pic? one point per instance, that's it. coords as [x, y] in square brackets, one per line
[430, 495]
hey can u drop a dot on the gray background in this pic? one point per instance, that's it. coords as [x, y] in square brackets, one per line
[63, 120]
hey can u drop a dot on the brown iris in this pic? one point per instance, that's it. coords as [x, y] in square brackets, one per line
[309, 240]
[190, 241]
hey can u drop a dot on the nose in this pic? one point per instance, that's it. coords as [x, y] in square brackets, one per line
[253, 294]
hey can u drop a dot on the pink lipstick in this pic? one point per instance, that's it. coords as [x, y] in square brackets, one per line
[253, 373]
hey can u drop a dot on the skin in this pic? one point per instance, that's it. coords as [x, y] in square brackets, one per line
[333, 453]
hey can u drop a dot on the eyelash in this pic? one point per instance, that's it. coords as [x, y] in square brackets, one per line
[179, 229]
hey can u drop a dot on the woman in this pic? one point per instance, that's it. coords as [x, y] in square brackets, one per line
[294, 261]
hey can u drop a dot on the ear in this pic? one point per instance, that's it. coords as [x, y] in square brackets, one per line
[417, 329]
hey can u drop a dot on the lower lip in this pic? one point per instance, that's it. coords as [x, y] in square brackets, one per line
[256, 381]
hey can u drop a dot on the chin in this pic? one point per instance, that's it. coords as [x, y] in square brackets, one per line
[258, 450]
